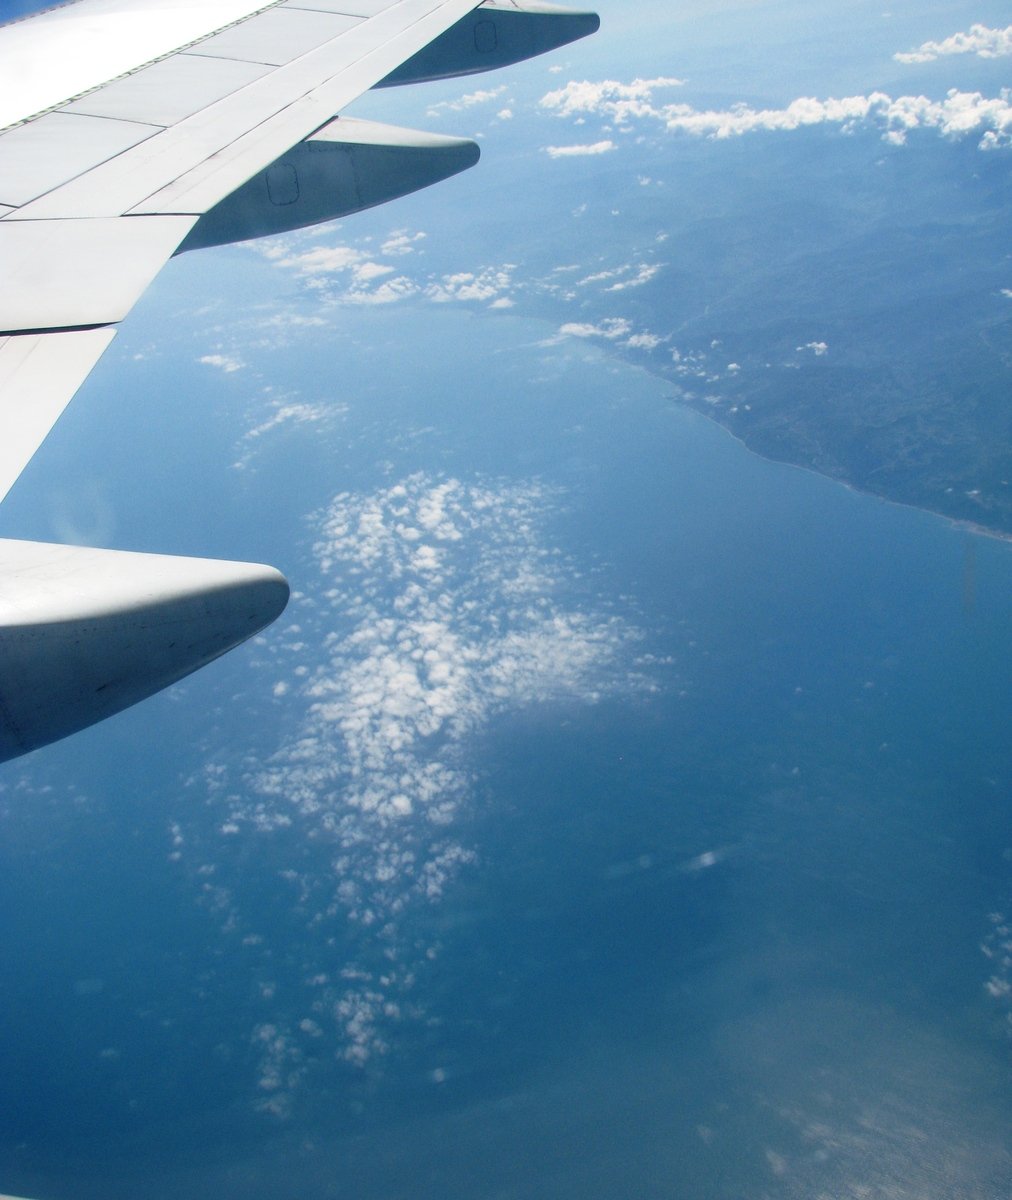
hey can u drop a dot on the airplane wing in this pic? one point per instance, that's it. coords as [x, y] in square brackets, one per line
[131, 130]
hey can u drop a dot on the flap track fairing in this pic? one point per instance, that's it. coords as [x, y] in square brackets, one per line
[494, 35]
[346, 166]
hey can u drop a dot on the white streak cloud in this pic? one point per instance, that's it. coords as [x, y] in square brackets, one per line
[611, 328]
[580, 151]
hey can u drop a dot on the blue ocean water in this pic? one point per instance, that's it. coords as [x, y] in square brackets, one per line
[724, 921]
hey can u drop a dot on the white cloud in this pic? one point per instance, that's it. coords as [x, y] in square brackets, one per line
[816, 348]
[960, 113]
[980, 40]
[997, 948]
[643, 341]
[367, 271]
[439, 607]
[348, 274]
[580, 151]
[488, 284]
[601, 276]
[644, 273]
[610, 328]
[322, 260]
[290, 320]
[505, 114]
[358, 265]
[294, 413]
[390, 292]
[281, 1068]
[401, 242]
[620, 102]
[482, 96]
[225, 362]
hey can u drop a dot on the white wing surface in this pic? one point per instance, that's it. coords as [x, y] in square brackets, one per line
[98, 190]
[131, 130]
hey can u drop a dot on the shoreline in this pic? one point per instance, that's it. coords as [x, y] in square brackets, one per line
[959, 523]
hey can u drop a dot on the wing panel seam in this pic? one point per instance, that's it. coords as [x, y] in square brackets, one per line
[186, 46]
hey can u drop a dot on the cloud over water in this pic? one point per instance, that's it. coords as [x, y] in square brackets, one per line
[440, 606]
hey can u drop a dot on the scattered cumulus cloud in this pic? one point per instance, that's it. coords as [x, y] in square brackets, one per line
[466, 285]
[599, 276]
[996, 947]
[616, 330]
[619, 102]
[224, 362]
[359, 274]
[440, 605]
[321, 260]
[816, 348]
[959, 114]
[628, 275]
[469, 100]
[644, 341]
[389, 292]
[356, 267]
[401, 241]
[644, 273]
[980, 40]
[371, 270]
[294, 412]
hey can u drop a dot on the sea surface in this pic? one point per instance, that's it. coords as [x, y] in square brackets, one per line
[717, 900]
